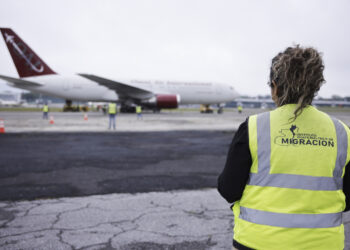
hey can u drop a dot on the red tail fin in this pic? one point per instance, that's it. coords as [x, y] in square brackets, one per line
[26, 61]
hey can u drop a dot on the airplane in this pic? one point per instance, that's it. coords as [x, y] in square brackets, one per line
[36, 76]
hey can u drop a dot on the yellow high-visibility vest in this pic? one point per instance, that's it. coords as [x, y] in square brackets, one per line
[138, 109]
[294, 198]
[45, 108]
[112, 108]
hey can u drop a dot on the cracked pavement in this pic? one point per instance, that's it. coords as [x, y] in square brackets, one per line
[198, 219]
[166, 220]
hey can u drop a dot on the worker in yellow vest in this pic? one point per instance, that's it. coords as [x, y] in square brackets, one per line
[112, 111]
[239, 108]
[139, 112]
[45, 111]
[287, 171]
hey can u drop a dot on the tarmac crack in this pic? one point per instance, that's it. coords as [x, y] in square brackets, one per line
[30, 209]
[180, 235]
[24, 233]
[60, 239]
[112, 223]
[58, 216]
[157, 205]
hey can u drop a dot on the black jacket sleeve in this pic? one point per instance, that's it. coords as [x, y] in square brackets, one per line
[234, 177]
[346, 187]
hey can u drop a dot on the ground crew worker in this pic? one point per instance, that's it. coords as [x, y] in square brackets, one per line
[288, 170]
[239, 108]
[139, 112]
[112, 111]
[45, 111]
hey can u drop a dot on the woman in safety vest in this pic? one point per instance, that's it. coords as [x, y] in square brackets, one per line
[287, 170]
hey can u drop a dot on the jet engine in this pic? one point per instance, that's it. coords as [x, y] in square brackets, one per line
[164, 101]
[167, 101]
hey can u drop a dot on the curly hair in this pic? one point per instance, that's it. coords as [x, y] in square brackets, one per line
[297, 74]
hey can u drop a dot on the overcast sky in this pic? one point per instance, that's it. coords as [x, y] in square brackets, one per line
[205, 40]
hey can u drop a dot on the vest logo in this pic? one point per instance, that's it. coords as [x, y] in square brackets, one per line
[292, 137]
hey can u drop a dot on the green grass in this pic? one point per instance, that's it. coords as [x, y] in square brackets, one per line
[25, 109]
[181, 110]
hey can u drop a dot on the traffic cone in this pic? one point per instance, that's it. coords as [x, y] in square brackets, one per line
[2, 126]
[51, 120]
[85, 117]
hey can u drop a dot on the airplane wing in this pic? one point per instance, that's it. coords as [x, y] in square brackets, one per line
[20, 82]
[123, 90]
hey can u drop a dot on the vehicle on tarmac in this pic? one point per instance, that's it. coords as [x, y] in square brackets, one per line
[36, 76]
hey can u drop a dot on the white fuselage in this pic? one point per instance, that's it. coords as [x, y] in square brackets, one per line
[78, 88]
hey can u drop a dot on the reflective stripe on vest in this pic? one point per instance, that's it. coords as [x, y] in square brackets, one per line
[291, 220]
[342, 145]
[266, 179]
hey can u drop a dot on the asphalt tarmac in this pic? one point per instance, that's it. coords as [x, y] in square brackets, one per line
[52, 165]
[111, 176]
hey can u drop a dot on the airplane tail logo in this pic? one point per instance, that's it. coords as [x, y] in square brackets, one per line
[26, 61]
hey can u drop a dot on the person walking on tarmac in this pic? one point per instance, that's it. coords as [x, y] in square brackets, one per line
[45, 111]
[112, 111]
[287, 171]
[139, 112]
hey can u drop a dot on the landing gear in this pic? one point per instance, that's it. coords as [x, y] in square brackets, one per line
[221, 108]
[68, 107]
[127, 109]
[69, 103]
